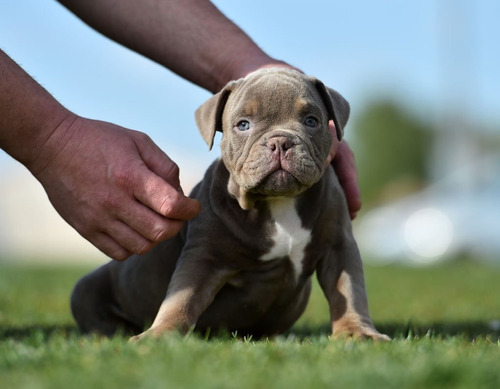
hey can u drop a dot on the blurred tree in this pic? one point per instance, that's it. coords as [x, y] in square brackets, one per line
[391, 148]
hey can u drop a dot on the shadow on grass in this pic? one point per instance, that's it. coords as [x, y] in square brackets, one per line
[45, 331]
[467, 330]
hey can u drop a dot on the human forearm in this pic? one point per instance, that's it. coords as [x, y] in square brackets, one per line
[190, 37]
[28, 114]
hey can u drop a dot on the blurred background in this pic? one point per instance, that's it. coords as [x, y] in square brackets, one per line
[422, 78]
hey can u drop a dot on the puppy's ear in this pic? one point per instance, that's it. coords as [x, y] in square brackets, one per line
[337, 107]
[209, 115]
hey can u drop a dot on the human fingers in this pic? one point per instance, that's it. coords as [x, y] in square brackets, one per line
[335, 142]
[119, 240]
[125, 227]
[107, 245]
[148, 224]
[345, 167]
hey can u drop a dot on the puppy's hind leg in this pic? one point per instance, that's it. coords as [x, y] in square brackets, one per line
[95, 308]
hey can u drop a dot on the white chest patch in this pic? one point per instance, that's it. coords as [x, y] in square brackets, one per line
[290, 238]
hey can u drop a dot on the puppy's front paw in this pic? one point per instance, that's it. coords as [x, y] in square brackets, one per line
[141, 336]
[361, 332]
[375, 335]
[153, 333]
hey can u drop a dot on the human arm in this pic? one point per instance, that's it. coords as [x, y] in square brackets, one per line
[190, 37]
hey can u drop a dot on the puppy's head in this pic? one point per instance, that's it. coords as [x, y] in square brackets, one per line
[275, 131]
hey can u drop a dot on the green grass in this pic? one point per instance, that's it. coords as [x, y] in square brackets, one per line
[442, 320]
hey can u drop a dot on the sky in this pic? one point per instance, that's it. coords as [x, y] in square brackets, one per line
[432, 55]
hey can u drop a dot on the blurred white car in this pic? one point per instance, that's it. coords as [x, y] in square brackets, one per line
[458, 215]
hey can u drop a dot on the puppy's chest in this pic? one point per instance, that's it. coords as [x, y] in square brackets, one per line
[289, 238]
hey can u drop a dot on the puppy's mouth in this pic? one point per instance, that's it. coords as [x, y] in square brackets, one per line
[279, 182]
[280, 178]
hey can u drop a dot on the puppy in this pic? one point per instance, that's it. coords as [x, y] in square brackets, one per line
[273, 213]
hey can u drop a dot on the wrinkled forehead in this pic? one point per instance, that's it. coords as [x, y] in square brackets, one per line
[273, 92]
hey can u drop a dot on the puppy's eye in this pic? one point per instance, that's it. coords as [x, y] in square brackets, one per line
[243, 125]
[311, 121]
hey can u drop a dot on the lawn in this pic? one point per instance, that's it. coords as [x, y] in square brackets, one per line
[444, 321]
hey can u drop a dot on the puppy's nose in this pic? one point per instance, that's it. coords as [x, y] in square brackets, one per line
[279, 144]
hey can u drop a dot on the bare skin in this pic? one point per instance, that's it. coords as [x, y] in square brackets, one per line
[114, 185]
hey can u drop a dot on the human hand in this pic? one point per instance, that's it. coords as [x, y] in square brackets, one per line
[113, 185]
[342, 159]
